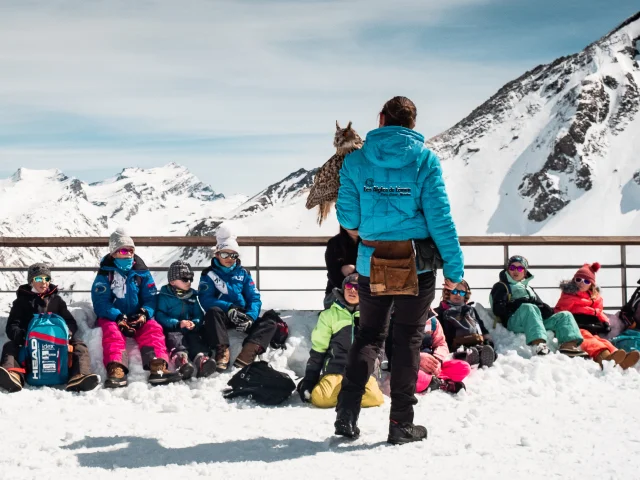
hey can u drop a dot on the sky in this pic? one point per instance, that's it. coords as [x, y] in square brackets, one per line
[243, 92]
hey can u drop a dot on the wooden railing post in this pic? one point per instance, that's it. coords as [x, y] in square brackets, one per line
[258, 267]
[623, 272]
[505, 253]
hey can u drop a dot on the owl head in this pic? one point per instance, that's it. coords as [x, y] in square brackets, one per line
[346, 138]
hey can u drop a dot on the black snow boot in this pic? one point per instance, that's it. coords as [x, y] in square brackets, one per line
[401, 433]
[11, 381]
[346, 424]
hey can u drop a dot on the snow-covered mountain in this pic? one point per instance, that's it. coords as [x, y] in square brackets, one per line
[553, 147]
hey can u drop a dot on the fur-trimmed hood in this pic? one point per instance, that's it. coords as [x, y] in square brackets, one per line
[570, 287]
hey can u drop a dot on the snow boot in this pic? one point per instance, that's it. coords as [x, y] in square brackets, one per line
[83, 383]
[159, 374]
[247, 355]
[116, 376]
[183, 365]
[487, 355]
[222, 358]
[205, 365]
[630, 359]
[605, 356]
[447, 385]
[11, 381]
[471, 355]
[346, 424]
[541, 349]
[401, 433]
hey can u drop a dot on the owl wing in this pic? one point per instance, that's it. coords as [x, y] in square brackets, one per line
[326, 183]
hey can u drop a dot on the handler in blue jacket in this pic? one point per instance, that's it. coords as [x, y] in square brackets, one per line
[392, 192]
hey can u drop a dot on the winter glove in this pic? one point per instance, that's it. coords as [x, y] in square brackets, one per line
[126, 329]
[240, 320]
[20, 337]
[304, 388]
[137, 320]
[429, 364]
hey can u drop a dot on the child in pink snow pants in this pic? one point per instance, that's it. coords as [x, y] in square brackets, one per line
[124, 299]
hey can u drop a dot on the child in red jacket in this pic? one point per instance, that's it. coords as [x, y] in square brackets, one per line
[581, 297]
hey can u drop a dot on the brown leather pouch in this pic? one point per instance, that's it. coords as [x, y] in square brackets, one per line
[393, 268]
[468, 340]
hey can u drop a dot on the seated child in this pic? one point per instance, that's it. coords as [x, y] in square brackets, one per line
[180, 315]
[582, 298]
[39, 295]
[521, 310]
[331, 340]
[436, 372]
[124, 299]
[464, 331]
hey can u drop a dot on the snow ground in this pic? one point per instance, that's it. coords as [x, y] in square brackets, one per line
[525, 417]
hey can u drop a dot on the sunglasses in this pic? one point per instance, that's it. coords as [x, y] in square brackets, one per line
[582, 280]
[41, 279]
[228, 255]
[351, 286]
[187, 279]
[519, 268]
[125, 251]
[462, 293]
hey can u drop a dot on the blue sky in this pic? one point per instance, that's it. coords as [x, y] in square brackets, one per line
[243, 92]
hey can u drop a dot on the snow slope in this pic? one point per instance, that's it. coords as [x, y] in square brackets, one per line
[528, 418]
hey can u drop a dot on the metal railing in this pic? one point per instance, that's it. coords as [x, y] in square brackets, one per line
[265, 242]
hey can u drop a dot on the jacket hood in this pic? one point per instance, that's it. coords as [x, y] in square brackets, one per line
[26, 291]
[570, 287]
[107, 263]
[506, 278]
[393, 147]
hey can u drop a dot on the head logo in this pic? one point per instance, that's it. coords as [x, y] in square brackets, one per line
[369, 182]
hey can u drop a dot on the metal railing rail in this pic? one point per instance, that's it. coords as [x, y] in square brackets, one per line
[262, 241]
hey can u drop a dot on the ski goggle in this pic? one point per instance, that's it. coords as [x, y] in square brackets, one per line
[582, 280]
[462, 293]
[125, 251]
[225, 255]
[41, 279]
[519, 268]
[351, 286]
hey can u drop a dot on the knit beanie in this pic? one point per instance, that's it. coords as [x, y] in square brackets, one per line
[178, 270]
[353, 278]
[519, 259]
[38, 270]
[226, 240]
[588, 272]
[119, 239]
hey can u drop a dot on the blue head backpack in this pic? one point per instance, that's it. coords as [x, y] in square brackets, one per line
[46, 351]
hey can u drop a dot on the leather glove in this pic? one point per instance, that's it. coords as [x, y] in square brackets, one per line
[126, 329]
[429, 364]
[137, 320]
[243, 327]
[304, 388]
[240, 320]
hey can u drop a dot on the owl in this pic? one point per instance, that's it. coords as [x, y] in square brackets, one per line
[324, 191]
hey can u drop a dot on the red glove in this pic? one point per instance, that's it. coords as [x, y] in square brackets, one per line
[429, 364]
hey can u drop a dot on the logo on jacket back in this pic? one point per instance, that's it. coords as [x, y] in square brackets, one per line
[390, 191]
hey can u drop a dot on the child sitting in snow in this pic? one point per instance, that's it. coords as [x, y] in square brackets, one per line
[39, 295]
[436, 372]
[331, 341]
[521, 310]
[124, 299]
[582, 298]
[180, 315]
[231, 300]
[464, 331]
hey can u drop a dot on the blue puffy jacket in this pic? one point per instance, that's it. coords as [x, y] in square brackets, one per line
[172, 308]
[392, 189]
[226, 288]
[139, 292]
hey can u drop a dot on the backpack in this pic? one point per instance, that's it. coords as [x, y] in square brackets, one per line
[260, 382]
[282, 330]
[45, 354]
[630, 313]
[427, 338]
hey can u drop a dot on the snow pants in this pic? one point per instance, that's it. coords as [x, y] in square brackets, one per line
[190, 342]
[80, 360]
[150, 339]
[410, 317]
[456, 370]
[595, 345]
[528, 320]
[216, 322]
[325, 393]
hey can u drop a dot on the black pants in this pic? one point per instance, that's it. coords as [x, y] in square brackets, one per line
[80, 360]
[410, 317]
[190, 342]
[216, 322]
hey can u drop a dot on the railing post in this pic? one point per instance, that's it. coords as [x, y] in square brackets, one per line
[623, 272]
[258, 266]
[505, 253]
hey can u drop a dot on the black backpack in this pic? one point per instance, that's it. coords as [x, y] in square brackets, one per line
[260, 382]
[282, 330]
[630, 313]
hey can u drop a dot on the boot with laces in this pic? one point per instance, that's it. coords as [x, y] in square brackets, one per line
[405, 432]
